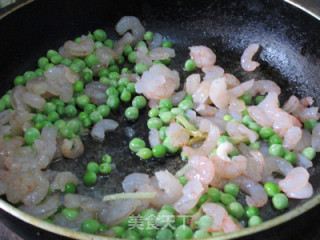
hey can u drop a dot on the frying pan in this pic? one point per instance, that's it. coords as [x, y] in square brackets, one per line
[289, 55]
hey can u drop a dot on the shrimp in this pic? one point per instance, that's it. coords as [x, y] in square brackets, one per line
[156, 41]
[135, 182]
[235, 108]
[217, 213]
[72, 150]
[37, 86]
[257, 195]
[131, 23]
[203, 56]
[126, 39]
[264, 86]
[5, 117]
[154, 138]
[218, 181]
[305, 140]
[104, 125]
[179, 136]
[83, 48]
[168, 189]
[292, 137]
[296, 184]
[61, 179]
[213, 72]
[142, 57]
[259, 116]
[246, 59]
[218, 93]
[96, 92]
[202, 169]
[43, 210]
[192, 83]
[229, 225]
[241, 89]
[17, 101]
[192, 192]
[29, 187]
[204, 109]
[20, 122]
[105, 54]
[202, 93]
[177, 97]
[232, 81]
[158, 83]
[237, 130]
[315, 139]
[161, 53]
[208, 145]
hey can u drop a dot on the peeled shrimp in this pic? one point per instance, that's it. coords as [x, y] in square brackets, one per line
[177, 97]
[204, 109]
[203, 56]
[83, 48]
[257, 195]
[179, 136]
[135, 182]
[156, 41]
[43, 210]
[168, 189]
[154, 138]
[142, 57]
[239, 130]
[61, 179]
[305, 140]
[126, 39]
[73, 149]
[229, 225]
[192, 83]
[162, 53]
[96, 92]
[104, 125]
[235, 108]
[133, 24]
[218, 93]
[241, 89]
[246, 59]
[315, 139]
[192, 191]
[292, 137]
[29, 187]
[105, 54]
[202, 169]
[264, 86]
[296, 184]
[37, 86]
[217, 213]
[5, 117]
[213, 72]
[232, 81]
[202, 93]
[16, 99]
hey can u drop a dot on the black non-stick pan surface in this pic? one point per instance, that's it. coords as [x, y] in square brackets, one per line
[289, 55]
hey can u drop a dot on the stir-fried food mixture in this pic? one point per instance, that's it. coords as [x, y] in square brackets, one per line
[234, 137]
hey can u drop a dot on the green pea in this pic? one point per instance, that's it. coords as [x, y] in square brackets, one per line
[87, 75]
[165, 103]
[91, 226]
[290, 157]
[121, 88]
[227, 118]
[103, 73]
[56, 59]
[166, 61]
[159, 151]
[154, 123]
[251, 211]
[255, 145]
[310, 124]
[30, 135]
[100, 35]
[131, 234]
[6, 99]
[164, 234]
[51, 53]
[184, 157]
[103, 228]
[118, 230]
[39, 118]
[309, 153]
[164, 217]
[47, 124]
[157, 62]
[39, 72]
[131, 113]
[259, 99]
[70, 111]
[113, 102]
[48, 66]
[183, 232]
[112, 91]
[127, 50]
[227, 198]
[141, 43]
[125, 95]
[214, 194]
[49, 107]
[168, 145]
[136, 144]
[105, 168]
[66, 62]
[183, 180]
[276, 150]
[232, 189]
[104, 110]
[78, 86]
[83, 115]
[60, 123]
[19, 80]
[201, 234]
[70, 188]
[166, 44]
[168, 208]
[104, 80]
[166, 117]
[246, 97]
[235, 209]
[132, 57]
[149, 214]
[189, 65]
[275, 139]
[89, 108]
[176, 111]
[140, 68]
[114, 68]
[266, 132]
[90, 178]
[144, 153]
[95, 116]
[131, 87]
[153, 112]
[93, 167]
[70, 213]
[139, 102]
[247, 119]
[53, 116]
[254, 220]
[129, 221]
[271, 189]
[106, 158]
[254, 126]
[42, 62]
[108, 43]
[223, 139]
[148, 36]
[66, 132]
[185, 105]
[280, 201]
[57, 102]
[202, 200]
[2, 105]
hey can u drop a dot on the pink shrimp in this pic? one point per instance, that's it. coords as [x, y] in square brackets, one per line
[235, 108]
[72, 150]
[232, 81]
[202, 93]
[229, 225]
[179, 135]
[218, 93]
[292, 137]
[204, 109]
[203, 56]
[239, 130]
[192, 191]
[192, 83]
[83, 48]
[241, 89]
[263, 87]
[257, 195]
[202, 169]
[213, 72]
[217, 213]
[315, 138]
[246, 59]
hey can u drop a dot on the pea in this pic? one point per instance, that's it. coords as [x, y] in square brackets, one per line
[202, 200]
[93, 167]
[60, 123]
[118, 231]
[100, 35]
[105, 168]
[141, 43]
[251, 211]
[309, 153]
[232, 189]
[112, 91]
[235, 209]
[164, 234]
[201, 234]
[276, 150]
[131, 87]
[114, 76]
[148, 36]
[66, 132]
[49, 107]
[255, 145]
[57, 102]
[39, 118]
[168, 208]
[53, 116]
[89, 108]
[70, 111]
[246, 97]
[185, 105]
[56, 59]
[159, 151]
[247, 119]
[164, 217]
[310, 124]
[42, 62]
[132, 57]
[168, 145]
[113, 102]
[127, 50]
[66, 62]
[223, 139]
[144, 153]
[78, 86]
[280, 201]
[30, 135]
[70, 188]
[166, 117]
[39, 72]
[91, 226]
[95, 116]
[108, 43]
[136, 144]
[227, 198]
[70, 213]
[166, 44]
[19, 80]
[259, 99]
[275, 139]
[90, 178]
[106, 158]
[254, 220]
[131, 113]
[271, 189]
[183, 180]
[104, 110]
[153, 112]
[227, 118]
[266, 132]
[254, 126]
[139, 102]
[166, 61]
[2, 105]
[154, 123]
[183, 232]
[189, 65]
[6, 100]
[214, 194]
[140, 68]
[131, 234]
[290, 157]
[114, 68]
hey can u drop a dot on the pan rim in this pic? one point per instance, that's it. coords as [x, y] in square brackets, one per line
[10, 209]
